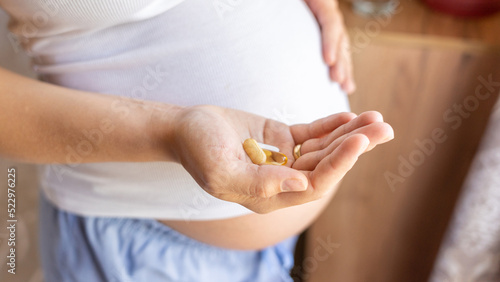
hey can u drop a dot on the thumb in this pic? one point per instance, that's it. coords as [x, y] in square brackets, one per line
[265, 181]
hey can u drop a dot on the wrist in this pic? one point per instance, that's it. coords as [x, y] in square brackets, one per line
[161, 131]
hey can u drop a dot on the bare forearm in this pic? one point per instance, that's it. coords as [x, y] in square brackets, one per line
[43, 123]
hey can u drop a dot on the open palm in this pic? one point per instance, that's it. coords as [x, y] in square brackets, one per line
[208, 143]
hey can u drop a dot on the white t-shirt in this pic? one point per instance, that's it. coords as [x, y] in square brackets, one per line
[258, 56]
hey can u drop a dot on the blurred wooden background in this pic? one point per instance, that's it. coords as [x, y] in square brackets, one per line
[412, 68]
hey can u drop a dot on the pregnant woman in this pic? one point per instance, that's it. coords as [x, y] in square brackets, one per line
[139, 121]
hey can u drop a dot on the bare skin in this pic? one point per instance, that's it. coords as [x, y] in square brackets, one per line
[253, 231]
[335, 41]
[206, 140]
[39, 121]
[257, 231]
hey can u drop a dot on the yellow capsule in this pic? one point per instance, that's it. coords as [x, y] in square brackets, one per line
[263, 156]
[275, 158]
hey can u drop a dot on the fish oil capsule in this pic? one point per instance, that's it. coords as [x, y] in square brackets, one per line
[259, 156]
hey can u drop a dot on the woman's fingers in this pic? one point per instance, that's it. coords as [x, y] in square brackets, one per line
[331, 34]
[363, 119]
[335, 42]
[265, 181]
[320, 127]
[267, 187]
[342, 70]
[257, 187]
[330, 22]
[333, 168]
[338, 69]
[348, 85]
[328, 173]
[377, 133]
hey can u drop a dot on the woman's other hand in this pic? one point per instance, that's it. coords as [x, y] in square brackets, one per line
[335, 42]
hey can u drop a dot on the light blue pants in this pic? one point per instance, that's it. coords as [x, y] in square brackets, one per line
[93, 249]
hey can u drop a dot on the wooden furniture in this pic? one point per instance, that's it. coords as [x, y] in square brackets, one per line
[421, 69]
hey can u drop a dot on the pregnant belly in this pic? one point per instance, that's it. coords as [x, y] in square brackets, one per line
[262, 57]
[253, 231]
[268, 62]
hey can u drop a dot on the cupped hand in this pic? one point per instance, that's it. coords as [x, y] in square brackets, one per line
[208, 143]
[335, 42]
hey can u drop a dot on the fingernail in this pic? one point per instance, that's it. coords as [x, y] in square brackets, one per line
[331, 57]
[340, 73]
[352, 86]
[292, 185]
[388, 138]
